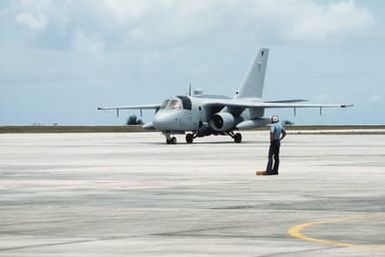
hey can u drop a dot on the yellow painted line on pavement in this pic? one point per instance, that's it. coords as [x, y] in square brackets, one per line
[296, 231]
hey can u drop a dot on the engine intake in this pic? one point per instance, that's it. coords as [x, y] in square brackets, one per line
[222, 121]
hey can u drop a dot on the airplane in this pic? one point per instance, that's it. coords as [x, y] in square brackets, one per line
[202, 115]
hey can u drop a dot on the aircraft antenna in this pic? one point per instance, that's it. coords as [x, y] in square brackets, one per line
[189, 90]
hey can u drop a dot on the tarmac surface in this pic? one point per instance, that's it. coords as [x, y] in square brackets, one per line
[118, 194]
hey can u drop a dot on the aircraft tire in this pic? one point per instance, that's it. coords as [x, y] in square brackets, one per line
[237, 138]
[189, 138]
[173, 140]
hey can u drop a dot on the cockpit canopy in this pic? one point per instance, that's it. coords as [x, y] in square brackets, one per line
[172, 104]
[179, 102]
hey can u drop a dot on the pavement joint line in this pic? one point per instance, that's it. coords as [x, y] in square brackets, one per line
[296, 231]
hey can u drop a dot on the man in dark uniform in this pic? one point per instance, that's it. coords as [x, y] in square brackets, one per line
[277, 133]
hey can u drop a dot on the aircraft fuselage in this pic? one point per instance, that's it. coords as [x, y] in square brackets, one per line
[182, 113]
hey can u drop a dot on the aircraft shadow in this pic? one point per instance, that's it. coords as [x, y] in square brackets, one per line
[208, 143]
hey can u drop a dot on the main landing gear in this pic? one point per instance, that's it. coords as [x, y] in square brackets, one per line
[236, 136]
[190, 137]
[171, 140]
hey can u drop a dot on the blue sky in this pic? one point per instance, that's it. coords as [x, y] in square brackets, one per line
[60, 60]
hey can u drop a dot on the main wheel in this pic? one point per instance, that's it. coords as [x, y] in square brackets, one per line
[237, 138]
[173, 140]
[189, 138]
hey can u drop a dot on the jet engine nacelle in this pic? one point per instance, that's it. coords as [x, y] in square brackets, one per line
[222, 121]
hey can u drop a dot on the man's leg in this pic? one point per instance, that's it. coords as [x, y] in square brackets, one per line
[270, 160]
[276, 158]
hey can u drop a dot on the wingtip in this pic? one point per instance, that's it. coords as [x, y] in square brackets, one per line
[346, 105]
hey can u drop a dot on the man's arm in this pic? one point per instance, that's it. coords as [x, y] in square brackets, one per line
[283, 134]
[272, 129]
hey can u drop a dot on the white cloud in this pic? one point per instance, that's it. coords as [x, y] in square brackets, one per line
[289, 20]
[32, 22]
[170, 22]
[317, 22]
[124, 11]
[32, 14]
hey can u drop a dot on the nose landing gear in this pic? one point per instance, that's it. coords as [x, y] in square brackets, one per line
[169, 139]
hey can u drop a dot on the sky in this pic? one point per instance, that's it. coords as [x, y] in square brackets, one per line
[61, 59]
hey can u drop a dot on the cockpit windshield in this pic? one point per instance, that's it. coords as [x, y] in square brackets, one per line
[175, 104]
[172, 104]
[164, 104]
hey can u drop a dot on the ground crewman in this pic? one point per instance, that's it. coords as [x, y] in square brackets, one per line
[277, 133]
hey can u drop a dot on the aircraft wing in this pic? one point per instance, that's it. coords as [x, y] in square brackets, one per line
[131, 107]
[286, 101]
[245, 103]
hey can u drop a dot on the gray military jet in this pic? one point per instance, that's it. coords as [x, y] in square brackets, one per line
[202, 115]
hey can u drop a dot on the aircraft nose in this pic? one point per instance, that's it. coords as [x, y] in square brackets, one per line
[165, 121]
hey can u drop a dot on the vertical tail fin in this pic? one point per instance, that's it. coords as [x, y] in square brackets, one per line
[252, 85]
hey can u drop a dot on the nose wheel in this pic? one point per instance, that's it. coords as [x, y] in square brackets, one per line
[169, 139]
